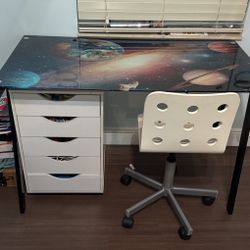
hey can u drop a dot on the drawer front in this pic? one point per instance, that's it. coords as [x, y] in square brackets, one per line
[43, 146]
[46, 183]
[31, 104]
[55, 126]
[64, 165]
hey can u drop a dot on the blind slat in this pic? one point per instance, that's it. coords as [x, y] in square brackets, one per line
[163, 36]
[166, 30]
[170, 17]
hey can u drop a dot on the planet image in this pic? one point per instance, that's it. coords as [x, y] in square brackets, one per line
[96, 50]
[66, 49]
[63, 46]
[90, 49]
[205, 77]
[20, 79]
[223, 47]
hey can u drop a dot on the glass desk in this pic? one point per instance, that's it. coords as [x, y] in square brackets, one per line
[66, 63]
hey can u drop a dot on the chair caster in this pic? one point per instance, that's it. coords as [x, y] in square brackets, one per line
[127, 222]
[125, 179]
[183, 233]
[208, 200]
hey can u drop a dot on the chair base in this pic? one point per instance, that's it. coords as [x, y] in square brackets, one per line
[166, 190]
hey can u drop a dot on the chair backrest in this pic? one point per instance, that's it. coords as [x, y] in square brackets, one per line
[178, 122]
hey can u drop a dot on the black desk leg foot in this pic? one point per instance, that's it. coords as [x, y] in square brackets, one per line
[19, 176]
[22, 203]
[21, 194]
[239, 160]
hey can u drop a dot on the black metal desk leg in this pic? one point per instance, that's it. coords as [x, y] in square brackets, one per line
[19, 176]
[239, 160]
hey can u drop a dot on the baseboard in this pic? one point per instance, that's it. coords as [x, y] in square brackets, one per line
[128, 136]
[123, 136]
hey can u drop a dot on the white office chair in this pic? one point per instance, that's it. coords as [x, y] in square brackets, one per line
[180, 123]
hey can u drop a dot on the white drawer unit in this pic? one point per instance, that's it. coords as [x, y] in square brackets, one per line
[64, 165]
[59, 126]
[43, 104]
[52, 183]
[60, 138]
[43, 146]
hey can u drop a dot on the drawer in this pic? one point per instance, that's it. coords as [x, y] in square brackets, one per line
[59, 126]
[32, 104]
[43, 146]
[83, 165]
[47, 183]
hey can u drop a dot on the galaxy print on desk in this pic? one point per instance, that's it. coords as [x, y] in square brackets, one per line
[90, 64]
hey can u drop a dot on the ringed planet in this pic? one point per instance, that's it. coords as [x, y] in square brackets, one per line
[205, 77]
[223, 47]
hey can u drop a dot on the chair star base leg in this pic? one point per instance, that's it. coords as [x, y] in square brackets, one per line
[144, 203]
[143, 179]
[194, 192]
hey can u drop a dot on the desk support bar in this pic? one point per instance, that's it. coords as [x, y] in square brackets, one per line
[239, 160]
[20, 192]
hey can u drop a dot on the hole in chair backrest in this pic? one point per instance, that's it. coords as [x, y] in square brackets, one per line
[192, 109]
[157, 140]
[162, 106]
[188, 126]
[185, 142]
[217, 124]
[160, 124]
[212, 141]
[222, 107]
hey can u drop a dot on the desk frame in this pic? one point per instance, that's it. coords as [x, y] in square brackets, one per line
[239, 160]
[19, 175]
[235, 177]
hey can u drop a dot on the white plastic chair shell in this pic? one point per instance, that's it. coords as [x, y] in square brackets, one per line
[186, 123]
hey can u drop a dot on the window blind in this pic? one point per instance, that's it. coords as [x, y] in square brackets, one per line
[196, 19]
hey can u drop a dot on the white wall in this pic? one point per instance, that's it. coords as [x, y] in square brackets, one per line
[34, 17]
[245, 43]
[50, 17]
[10, 28]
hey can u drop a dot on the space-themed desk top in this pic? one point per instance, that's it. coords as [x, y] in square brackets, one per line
[66, 63]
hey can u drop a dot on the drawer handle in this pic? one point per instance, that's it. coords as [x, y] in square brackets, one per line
[61, 139]
[57, 97]
[64, 176]
[59, 119]
[63, 158]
